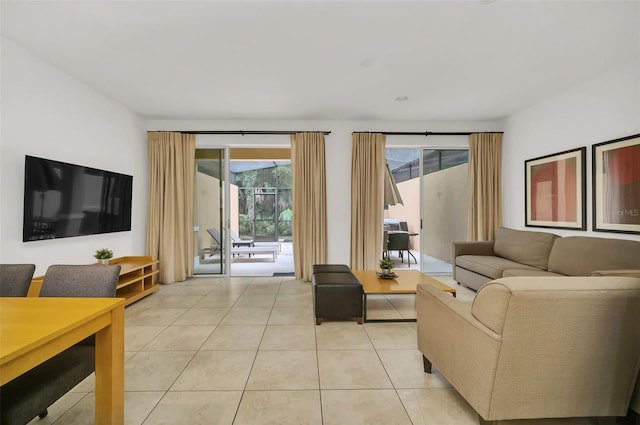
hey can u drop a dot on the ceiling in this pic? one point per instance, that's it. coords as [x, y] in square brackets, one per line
[328, 60]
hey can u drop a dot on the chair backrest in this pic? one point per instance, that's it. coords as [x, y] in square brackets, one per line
[234, 236]
[91, 281]
[15, 279]
[398, 241]
[385, 240]
[215, 234]
[403, 226]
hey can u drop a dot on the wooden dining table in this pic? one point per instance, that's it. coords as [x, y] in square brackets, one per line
[33, 329]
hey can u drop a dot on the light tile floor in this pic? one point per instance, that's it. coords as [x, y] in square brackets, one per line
[246, 351]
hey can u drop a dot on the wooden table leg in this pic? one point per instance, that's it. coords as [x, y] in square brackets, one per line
[110, 371]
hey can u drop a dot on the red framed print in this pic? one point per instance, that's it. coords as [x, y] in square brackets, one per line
[616, 185]
[555, 190]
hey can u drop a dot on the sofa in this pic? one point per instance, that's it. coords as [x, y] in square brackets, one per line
[537, 347]
[527, 253]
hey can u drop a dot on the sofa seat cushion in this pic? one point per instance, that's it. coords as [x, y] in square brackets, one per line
[488, 265]
[528, 272]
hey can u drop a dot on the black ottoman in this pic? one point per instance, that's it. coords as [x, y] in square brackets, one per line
[337, 295]
[331, 268]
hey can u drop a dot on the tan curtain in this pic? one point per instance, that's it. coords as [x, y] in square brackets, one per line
[485, 191]
[170, 221]
[368, 168]
[309, 202]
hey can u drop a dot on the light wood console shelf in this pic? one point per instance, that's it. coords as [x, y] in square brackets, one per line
[137, 278]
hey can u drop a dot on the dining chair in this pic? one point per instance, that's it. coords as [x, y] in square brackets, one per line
[31, 394]
[400, 241]
[15, 279]
[405, 228]
[93, 281]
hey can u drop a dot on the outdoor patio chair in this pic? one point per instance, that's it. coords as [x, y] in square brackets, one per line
[400, 242]
[215, 235]
[238, 242]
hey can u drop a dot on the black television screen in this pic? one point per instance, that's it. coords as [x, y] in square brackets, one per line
[63, 200]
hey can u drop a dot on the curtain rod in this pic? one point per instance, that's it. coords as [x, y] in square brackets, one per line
[431, 133]
[243, 132]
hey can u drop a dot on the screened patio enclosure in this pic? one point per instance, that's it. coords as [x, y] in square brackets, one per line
[259, 208]
[264, 199]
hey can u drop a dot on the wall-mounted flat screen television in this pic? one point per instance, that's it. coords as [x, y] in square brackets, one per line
[62, 200]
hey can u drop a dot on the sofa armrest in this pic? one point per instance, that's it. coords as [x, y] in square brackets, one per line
[459, 346]
[472, 248]
[559, 331]
[454, 306]
[625, 273]
[553, 332]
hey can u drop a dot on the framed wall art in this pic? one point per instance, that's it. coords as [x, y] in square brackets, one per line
[616, 185]
[555, 190]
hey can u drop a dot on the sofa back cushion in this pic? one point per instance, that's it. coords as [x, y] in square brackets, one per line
[582, 255]
[531, 248]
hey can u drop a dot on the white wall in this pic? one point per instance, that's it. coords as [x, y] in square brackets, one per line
[47, 113]
[338, 155]
[603, 109]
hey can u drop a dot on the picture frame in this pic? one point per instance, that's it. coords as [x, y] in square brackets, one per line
[616, 185]
[555, 190]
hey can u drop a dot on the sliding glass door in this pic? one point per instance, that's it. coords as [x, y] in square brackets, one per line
[210, 212]
[444, 206]
[402, 216]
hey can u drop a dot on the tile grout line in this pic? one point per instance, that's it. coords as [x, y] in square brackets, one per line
[255, 357]
[165, 392]
[393, 385]
[315, 334]
[294, 302]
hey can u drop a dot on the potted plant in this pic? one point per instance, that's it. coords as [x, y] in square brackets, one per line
[386, 265]
[103, 255]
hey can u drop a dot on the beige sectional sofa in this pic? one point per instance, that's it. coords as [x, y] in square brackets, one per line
[532, 347]
[534, 254]
[526, 253]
